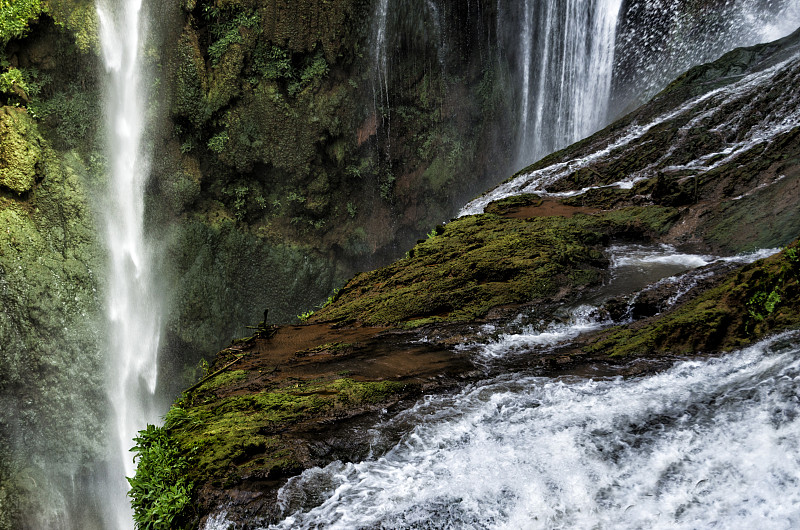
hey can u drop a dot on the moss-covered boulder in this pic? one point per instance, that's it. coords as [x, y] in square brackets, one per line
[474, 264]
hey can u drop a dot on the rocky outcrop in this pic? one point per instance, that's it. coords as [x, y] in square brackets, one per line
[279, 402]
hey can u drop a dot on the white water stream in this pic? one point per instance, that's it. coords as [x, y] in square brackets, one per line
[708, 443]
[708, 111]
[133, 308]
[711, 443]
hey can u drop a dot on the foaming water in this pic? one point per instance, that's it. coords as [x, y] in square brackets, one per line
[133, 308]
[633, 268]
[706, 443]
[581, 320]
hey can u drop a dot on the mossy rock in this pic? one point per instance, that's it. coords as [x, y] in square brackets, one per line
[514, 202]
[20, 150]
[759, 299]
[241, 434]
[480, 262]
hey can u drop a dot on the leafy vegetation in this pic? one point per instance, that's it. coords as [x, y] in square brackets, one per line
[160, 491]
[15, 18]
[228, 32]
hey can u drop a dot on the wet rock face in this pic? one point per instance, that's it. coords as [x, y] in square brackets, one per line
[287, 149]
[720, 143]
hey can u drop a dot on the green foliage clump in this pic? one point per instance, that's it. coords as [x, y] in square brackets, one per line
[160, 490]
[227, 32]
[15, 17]
[762, 304]
[217, 142]
[72, 113]
[10, 79]
[273, 62]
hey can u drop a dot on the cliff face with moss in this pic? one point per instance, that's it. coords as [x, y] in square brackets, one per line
[51, 262]
[295, 157]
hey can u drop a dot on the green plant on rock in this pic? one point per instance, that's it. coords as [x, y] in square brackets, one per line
[761, 304]
[71, 111]
[792, 261]
[11, 79]
[228, 32]
[303, 317]
[217, 142]
[160, 490]
[273, 62]
[316, 68]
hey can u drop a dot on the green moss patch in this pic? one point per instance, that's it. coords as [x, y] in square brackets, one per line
[480, 262]
[224, 379]
[503, 206]
[20, 150]
[237, 433]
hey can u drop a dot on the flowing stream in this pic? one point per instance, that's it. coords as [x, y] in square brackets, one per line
[710, 110]
[709, 442]
[133, 309]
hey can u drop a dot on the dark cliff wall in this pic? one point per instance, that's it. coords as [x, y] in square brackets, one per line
[293, 157]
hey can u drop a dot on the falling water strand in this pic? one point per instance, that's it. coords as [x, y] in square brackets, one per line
[380, 68]
[567, 58]
[133, 313]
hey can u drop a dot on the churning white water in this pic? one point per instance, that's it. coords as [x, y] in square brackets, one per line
[133, 310]
[708, 443]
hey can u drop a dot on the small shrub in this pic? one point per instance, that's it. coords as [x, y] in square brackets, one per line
[217, 143]
[160, 492]
[228, 32]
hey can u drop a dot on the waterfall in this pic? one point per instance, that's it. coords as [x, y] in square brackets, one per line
[133, 310]
[659, 39]
[580, 61]
[566, 58]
